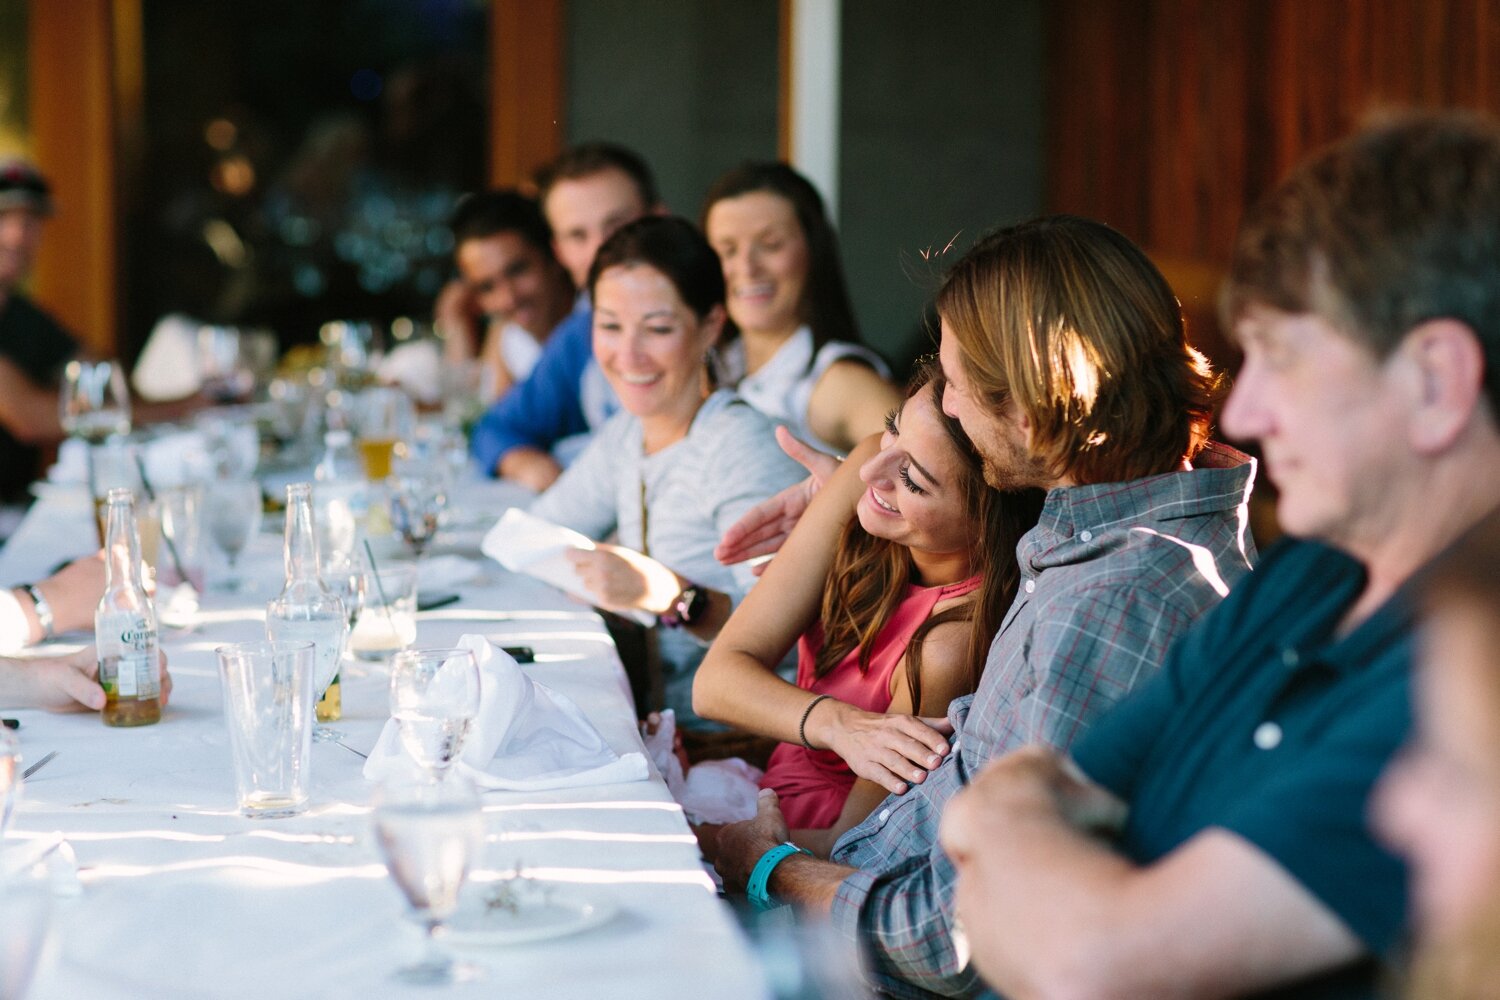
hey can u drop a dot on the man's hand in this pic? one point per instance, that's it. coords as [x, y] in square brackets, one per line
[59, 683]
[764, 527]
[740, 845]
[62, 683]
[531, 467]
[890, 750]
[73, 592]
[1024, 782]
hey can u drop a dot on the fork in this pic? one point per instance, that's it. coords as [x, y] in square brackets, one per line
[34, 768]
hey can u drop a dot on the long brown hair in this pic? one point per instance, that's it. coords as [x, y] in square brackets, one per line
[870, 575]
[1072, 323]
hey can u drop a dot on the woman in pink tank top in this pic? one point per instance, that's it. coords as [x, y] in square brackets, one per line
[891, 610]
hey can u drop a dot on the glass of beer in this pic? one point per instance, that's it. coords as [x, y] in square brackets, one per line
[384, 417]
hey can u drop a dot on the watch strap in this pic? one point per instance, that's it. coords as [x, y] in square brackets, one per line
[760, 877]
[43, 609]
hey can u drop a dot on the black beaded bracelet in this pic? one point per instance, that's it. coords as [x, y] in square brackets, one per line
[802, 726]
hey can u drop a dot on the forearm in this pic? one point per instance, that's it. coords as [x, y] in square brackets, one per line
[809, 883]
[735, 687]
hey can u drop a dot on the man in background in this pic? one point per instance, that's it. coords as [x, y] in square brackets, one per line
[511, 292]
[33, 347]
[586, 194]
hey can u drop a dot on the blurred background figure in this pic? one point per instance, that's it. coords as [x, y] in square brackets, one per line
[792, 347]
[510, 293]
[1439, 804]
[33, 347]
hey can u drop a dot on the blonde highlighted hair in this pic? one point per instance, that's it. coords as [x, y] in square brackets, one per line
[1070, 322]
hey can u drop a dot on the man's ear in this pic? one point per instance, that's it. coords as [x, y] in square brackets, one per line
[1448, 363]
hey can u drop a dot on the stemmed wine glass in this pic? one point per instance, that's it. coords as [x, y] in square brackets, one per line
[417, 503]
[434, 699]
[430, 834]
[232, 514]
[94, 403]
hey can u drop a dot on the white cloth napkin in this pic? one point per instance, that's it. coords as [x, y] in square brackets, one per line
[417, 367]
[524, 543]
[712, 791]
[526, 737]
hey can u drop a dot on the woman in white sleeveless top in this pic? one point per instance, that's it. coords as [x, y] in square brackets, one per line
[791, 348]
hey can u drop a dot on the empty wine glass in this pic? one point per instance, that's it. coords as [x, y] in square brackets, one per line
[222, 367]
[430, 834]
[434, 699]
[417, 503]
[232, 515]
[94, 403]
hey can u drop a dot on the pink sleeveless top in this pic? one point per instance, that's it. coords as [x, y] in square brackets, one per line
[813, 784]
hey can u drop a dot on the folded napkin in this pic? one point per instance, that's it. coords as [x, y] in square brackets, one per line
[526, 737]
[171, 459]
[417, 367]
[160, 373]
[446, 571]
[524, 543]
[712, 791]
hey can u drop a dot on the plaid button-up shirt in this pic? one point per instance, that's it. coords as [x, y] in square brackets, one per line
[1112, 574]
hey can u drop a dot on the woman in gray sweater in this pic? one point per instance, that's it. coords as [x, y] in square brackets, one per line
[681, 461]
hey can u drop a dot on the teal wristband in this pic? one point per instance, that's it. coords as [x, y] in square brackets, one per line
[760, 877]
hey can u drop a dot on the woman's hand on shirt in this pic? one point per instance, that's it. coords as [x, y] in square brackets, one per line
[894, 751]
[622, 579]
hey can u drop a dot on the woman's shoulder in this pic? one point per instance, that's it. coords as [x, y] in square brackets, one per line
[852, 355]
[726, 413]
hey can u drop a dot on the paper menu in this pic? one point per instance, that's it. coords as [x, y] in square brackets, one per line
[524, 543]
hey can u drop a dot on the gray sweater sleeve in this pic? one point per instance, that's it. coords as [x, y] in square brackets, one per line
[584, 496]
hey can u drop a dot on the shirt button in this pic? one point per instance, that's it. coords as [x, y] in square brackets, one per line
[1086, 535]
[1290, 657]
[885, 814]
[955, 745]
[1267, 736]
[1030, 586]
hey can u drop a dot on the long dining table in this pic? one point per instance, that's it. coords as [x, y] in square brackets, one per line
[178, 895]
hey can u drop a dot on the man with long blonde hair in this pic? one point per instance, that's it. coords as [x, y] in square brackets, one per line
[1068, 365]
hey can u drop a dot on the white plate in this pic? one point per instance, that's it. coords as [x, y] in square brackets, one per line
[518, 912]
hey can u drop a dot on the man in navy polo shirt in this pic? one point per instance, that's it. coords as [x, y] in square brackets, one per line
[1208, 837]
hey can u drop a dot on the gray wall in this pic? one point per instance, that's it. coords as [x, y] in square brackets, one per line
[941, 122]
[689, 85]
[941, 136]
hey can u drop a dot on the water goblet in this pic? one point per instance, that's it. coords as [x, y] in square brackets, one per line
[434, 700]
[232, 515]
[417, 503]
[94, 403]
[430, 834]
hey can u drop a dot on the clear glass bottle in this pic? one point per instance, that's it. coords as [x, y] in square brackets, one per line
[306, 610]
[125, 624]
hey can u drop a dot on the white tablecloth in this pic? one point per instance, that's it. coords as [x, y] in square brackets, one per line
[182, 897]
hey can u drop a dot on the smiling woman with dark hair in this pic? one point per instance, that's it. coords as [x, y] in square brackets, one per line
[680, 462]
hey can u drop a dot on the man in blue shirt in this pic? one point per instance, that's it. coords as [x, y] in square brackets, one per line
[1208, 837]
[529, 434]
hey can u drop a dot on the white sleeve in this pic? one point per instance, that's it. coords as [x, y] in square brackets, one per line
[14, 628]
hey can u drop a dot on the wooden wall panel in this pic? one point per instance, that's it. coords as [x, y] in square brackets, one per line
[71, 61]
[1168, 118]
[527, 89]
